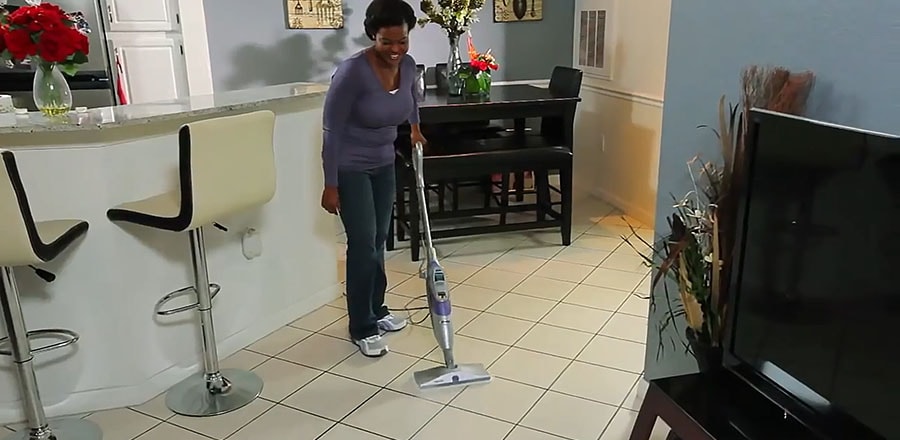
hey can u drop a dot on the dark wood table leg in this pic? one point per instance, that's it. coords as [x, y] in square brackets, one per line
[519, 127]
[658, 404]
[400, 203]
[390, 237]
[415, 238]
[646, 418]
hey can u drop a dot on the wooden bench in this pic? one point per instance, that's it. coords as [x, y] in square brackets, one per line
[479, 164]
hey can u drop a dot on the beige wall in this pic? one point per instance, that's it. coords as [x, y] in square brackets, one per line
[617, 129]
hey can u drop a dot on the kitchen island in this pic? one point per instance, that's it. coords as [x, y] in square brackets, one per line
[108, 283]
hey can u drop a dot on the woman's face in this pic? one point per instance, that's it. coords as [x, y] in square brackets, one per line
[391, 44]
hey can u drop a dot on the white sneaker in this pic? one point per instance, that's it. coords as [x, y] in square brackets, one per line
[373, 346]
[391, 323]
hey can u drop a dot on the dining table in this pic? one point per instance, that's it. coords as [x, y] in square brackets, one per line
[507, 102]
[515, 102]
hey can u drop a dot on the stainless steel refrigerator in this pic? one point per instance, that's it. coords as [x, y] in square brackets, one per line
[92, 87]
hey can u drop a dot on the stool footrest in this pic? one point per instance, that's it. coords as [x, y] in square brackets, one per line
[213, 291]
[67, 337]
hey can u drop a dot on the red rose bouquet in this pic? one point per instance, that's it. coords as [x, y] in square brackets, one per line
[44, 34]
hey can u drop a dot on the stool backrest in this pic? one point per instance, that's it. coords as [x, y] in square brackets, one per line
[17, 227]
[227, 165]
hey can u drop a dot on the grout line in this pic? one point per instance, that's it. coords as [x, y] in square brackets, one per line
[149, 429]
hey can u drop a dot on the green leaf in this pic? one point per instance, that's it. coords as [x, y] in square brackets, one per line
[79, 58]
[68, 68]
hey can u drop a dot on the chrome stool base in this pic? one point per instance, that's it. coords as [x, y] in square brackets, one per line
[62, 429]
[192, 398]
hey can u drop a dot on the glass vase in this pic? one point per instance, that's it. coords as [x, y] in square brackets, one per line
[478, 84]
[455, 82]
[52, 94]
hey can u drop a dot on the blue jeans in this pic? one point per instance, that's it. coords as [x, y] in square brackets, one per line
[366, 199]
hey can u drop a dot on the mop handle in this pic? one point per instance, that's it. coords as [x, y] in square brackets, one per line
[419, 168]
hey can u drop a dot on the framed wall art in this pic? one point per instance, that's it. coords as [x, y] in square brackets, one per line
[595, 37]
[510, 11]
[315, 14]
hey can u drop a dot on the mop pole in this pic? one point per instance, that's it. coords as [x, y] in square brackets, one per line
[435, 280]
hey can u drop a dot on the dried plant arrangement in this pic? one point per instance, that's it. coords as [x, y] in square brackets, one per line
[695, 253]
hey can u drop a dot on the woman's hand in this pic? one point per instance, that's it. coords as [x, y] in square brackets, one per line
[416, 136]
[330, 200]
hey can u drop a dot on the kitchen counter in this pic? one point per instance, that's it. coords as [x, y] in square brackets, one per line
[109, 282]
[137, 114]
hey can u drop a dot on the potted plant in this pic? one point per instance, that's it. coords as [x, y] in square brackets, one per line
[52, 40]
[695, 252]
[454, 17]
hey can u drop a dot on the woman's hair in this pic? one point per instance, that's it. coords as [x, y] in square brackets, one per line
[388, 13]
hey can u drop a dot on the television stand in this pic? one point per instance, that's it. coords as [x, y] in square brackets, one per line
[714, 406]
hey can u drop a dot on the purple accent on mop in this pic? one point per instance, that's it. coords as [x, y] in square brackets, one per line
[441, 308]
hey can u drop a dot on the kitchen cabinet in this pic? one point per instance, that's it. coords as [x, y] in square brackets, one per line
[153, 67]
[143, 15]
[161, 46]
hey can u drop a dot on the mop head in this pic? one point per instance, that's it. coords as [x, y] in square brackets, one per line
[462, 374]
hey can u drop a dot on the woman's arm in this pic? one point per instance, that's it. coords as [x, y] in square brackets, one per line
[415, 129]
[338, 103]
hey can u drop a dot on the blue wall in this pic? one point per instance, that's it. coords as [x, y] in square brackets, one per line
[250, 46]
[853, 47]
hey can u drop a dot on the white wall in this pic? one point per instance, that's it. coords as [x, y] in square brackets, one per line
[617, 129]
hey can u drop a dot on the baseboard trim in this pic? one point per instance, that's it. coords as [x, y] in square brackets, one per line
[640, 213]
[624, 95]
[134, 395]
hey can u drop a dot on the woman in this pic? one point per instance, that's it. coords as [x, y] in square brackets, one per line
[371, 93]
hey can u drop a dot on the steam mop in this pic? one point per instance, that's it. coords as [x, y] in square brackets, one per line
[451, 373]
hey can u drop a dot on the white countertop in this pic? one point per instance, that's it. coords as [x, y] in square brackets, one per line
[135, 114]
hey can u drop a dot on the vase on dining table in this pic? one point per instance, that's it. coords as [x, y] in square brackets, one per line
[455, 73]
[478, 83]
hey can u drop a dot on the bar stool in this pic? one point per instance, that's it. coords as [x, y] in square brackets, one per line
[226, 165]
[25, 243]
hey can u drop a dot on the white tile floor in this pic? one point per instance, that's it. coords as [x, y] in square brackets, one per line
[562, 329]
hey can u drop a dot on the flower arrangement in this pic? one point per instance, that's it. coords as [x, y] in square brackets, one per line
[477, 76]
[696, 252]
[45, 34]
[454, 16]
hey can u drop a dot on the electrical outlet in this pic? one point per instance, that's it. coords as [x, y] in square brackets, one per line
[251, 244]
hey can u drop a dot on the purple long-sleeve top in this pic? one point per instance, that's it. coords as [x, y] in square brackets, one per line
[361, 117]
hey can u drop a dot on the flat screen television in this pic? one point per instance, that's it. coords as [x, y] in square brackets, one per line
[815, 311]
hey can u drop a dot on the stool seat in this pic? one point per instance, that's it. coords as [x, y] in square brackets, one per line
[163, 211]
[26, 241]
[57, 235]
